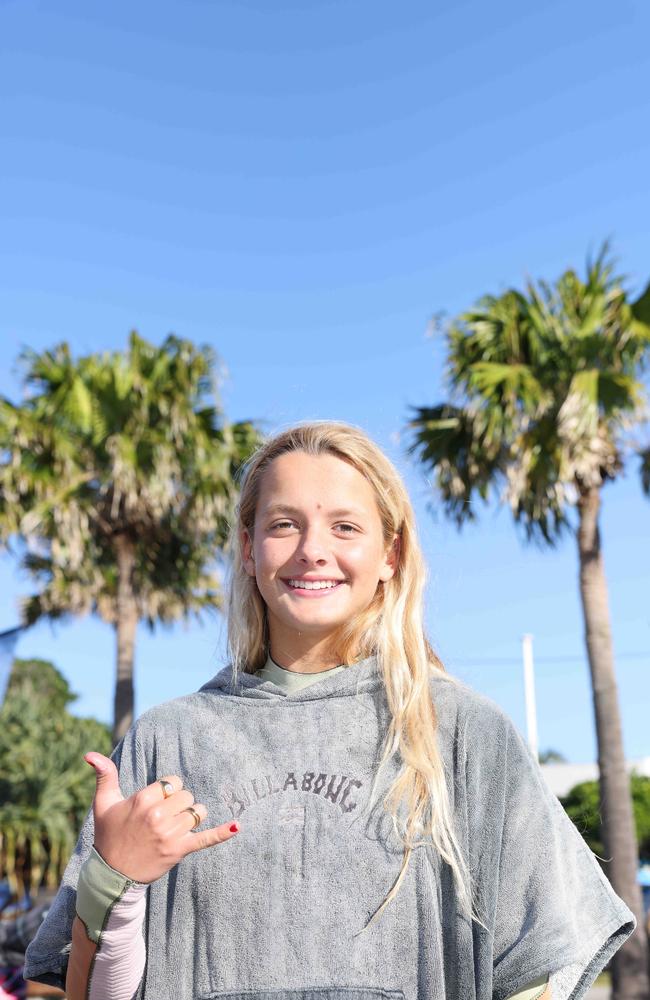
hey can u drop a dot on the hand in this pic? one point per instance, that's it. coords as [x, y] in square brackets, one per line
[147, 834]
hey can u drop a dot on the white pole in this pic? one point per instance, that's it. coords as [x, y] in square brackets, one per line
[529, 691]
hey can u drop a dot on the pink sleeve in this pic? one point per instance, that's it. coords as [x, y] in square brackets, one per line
[120, 959]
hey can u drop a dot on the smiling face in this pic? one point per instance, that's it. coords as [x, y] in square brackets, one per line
[316, 520]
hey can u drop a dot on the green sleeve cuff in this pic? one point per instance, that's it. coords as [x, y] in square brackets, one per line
[98, 889]
[533, 990]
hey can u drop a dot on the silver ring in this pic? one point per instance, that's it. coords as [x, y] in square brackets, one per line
[167, 787]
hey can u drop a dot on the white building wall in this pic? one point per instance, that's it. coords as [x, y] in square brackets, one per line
[562, 778]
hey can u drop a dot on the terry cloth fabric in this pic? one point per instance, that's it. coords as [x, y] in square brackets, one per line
[114, 971]
[279, 910]
[109, 904]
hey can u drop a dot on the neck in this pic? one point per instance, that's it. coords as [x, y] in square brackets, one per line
[310, 661]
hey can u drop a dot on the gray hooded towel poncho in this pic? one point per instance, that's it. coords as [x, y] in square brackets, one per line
[277, 911]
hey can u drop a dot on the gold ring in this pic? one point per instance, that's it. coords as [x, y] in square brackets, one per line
[197, 818]
[167, 787]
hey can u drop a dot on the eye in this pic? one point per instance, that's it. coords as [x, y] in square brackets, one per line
[350, 526]
[281, 524]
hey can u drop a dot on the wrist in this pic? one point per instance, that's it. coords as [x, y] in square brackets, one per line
[99, 887]
[106, 867]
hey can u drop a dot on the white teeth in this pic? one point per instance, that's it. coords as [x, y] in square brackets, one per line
[314, 584]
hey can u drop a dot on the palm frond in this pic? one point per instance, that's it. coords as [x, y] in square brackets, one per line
[112, 443]
[459, 447]
[546, 384]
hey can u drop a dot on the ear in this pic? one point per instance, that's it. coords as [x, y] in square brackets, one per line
[247, 557]
[391, 560]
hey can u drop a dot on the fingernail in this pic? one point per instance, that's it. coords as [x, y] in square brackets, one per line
[234, 827]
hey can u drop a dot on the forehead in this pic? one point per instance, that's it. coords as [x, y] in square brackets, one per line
[316, 481]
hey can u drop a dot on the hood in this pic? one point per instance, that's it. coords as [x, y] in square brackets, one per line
[361, 676]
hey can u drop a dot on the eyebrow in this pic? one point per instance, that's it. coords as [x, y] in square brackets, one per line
[283, 508]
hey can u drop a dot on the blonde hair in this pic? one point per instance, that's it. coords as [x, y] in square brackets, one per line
[390, 627]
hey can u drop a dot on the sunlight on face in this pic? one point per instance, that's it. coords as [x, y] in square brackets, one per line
[316, 519]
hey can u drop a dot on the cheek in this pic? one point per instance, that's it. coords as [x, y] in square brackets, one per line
[273, 552]
[363, 558]
[356, 555]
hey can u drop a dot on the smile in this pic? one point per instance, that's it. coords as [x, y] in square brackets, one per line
[315, 588]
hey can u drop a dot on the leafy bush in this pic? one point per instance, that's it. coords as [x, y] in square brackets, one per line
[582, 804]
[46, 788]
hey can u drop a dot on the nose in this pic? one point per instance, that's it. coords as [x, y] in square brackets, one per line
[312, 547]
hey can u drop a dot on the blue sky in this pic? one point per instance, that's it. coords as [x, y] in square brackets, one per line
[302, 185]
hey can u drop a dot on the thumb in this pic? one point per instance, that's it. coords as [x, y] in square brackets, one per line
[107, 791]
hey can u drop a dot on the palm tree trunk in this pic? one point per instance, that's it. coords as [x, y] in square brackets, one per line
[630, 964]
[125, 628]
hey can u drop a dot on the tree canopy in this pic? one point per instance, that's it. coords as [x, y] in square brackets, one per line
[544, 386]
[582, 804]
[119, 472]
[116, 443]
[46, 787]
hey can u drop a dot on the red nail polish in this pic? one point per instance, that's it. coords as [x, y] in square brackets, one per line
[234, 828]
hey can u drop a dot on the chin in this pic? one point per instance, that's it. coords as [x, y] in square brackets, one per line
[315, 626]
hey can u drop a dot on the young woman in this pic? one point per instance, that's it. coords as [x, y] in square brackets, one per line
[382, 831]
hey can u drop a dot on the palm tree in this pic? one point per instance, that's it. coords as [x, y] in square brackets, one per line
[645, 471]
[545, 386]
[119, 473]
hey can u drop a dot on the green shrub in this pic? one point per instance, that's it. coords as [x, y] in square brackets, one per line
[46, 788]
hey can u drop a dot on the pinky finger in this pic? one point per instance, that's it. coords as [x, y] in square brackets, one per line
[211, 837]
